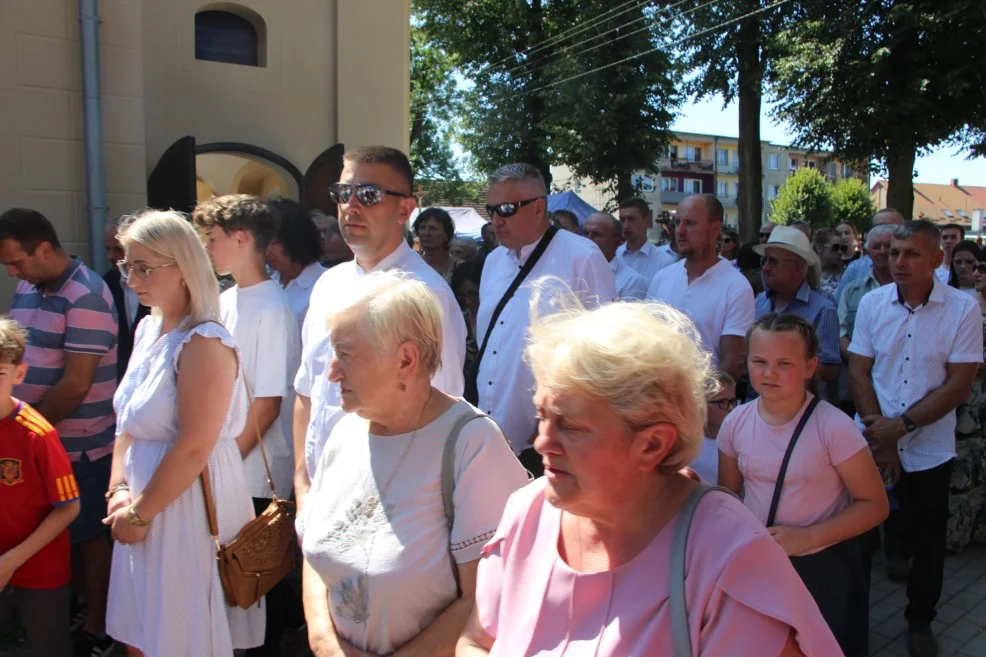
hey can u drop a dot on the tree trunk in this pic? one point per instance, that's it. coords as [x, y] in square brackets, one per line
[900, 179]
[749, 92]
[624, 185]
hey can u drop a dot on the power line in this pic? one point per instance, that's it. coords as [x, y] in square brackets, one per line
[558, 53]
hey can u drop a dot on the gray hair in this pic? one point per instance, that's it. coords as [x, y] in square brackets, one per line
[613, 221]
[909, 229]
[883, 230]
[466, 243]
[520, 172]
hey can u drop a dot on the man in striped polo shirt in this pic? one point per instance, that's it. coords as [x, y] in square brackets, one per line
[71, 356]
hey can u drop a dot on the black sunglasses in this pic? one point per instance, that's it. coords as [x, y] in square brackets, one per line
[981, 267]
[726, 404]
[838, 248]
[367, 193]
[727, 240]
[509, 209]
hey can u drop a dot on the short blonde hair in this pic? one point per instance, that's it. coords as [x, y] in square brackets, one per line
[641, 359]
[13, 341]
[172, 236]
[391, 308]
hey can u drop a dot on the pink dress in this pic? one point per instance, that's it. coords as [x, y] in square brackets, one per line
[742, 593]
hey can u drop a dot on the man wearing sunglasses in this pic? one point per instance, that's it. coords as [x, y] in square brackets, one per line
[375, 202]
[791, 272]
[518, 210]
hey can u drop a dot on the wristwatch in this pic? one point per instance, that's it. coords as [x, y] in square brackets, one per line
[133, 518]
[908, 423]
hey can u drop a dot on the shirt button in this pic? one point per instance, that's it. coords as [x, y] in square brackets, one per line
[494, 353]
[490, 383]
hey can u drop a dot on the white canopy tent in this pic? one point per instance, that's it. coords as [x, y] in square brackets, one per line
[468, 222]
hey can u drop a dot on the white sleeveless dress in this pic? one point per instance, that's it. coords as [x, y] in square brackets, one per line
[165, 596]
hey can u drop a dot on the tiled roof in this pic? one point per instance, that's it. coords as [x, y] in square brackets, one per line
[942, 204]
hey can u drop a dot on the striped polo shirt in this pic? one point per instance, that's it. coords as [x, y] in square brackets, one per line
[76, 315]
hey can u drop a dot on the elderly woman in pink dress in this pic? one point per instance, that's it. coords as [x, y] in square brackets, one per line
[582, 561]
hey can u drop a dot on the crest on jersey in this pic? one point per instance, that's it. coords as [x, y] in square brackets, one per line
[10, 472]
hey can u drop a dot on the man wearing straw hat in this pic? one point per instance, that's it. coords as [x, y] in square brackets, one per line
[791, 271]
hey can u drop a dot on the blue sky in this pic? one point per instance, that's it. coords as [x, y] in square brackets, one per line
[708, 116]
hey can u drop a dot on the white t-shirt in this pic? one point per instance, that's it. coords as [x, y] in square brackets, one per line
[630, 286]
[261, 321]
[385, 562]
[299, 289]
[720, 301]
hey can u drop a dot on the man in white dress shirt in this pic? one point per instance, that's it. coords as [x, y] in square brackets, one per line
[605, 230]
[951, 235]
[517, 205]
[645, 258]
[914, 354]
[706, 287]
[374, 194]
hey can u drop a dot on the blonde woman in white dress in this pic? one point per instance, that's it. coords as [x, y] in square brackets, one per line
[179, 407]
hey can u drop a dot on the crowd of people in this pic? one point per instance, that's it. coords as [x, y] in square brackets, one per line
[499, 448]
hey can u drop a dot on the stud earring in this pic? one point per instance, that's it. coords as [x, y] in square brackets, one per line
[402, 387]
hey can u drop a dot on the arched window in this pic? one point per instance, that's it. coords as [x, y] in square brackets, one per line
[223, 36]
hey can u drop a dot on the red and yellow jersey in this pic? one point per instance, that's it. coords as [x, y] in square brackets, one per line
[35, 477]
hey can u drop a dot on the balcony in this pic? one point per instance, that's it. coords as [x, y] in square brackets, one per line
[673, 198]
[681, 164]
[728, 201]
[732, 167]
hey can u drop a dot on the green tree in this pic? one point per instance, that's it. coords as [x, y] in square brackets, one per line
[730, 52]
[434, 99]
[804, 196]
[885, 80]
[853, 203]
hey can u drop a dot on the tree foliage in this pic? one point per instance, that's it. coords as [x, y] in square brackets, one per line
[434, 100]
[805, 196]
[517, 55]
[885, 80]
[853, 203]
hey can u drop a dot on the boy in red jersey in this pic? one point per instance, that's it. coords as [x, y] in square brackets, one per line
[39, 498]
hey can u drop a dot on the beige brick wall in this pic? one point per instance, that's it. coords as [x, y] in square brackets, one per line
[42, 162]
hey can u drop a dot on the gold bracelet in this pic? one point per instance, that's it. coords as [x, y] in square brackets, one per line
[135, 519]
[116, 489]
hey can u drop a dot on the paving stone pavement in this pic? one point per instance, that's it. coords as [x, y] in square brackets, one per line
[960, 626]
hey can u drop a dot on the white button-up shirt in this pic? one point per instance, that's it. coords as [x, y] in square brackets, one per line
[505, 382]
[328, 294]
[630, 286]
[720, 301]
[299, 289]
[910, 348]
[647, 260]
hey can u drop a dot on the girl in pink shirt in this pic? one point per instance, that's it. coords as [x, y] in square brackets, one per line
[580, 563]
[831, 491]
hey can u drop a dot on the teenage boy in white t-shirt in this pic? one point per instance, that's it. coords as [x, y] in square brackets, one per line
[257, 312]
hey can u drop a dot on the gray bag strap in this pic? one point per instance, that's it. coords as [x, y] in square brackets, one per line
[680, 633]
[448, 480]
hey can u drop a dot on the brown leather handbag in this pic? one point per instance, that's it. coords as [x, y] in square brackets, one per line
[263, 551]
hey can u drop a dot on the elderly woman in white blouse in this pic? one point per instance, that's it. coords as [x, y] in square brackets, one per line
[385, 572]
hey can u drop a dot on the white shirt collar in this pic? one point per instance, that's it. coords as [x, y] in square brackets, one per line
[395, 256]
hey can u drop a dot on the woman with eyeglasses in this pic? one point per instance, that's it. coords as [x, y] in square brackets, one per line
[967, 499]
[435, 229]
[179, 408]
[830, 249]
[831, 491]
[731, 244]
[965, 258]
[706, 464]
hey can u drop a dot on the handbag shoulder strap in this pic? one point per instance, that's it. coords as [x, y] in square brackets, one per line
[776, 500]
[680, 633]
[210, 506]
[448, 481]
[518, 280]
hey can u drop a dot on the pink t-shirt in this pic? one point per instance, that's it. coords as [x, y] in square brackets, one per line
[813, 490]
[742, 593]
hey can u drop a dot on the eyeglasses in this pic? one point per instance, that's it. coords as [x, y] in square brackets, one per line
[838, 248]
[142, 269]
[726, 404]
[509, 209]
[981, 267]
[774, 261]
[727, 240]
[367, 193]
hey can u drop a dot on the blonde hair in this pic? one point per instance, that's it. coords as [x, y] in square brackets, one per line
[13, 341]
[172, 236]
[642, 359]
[391, 308]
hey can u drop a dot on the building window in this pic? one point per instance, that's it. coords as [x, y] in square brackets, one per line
[669, 184]
[673, 151]
[810, 164]
[693, 186]
[231, 38]
[847, 171]
[722, 189]
[773, 161]
[794, 164]
[643, 183]
[722, 157]
[772, 191]
[693, 153]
